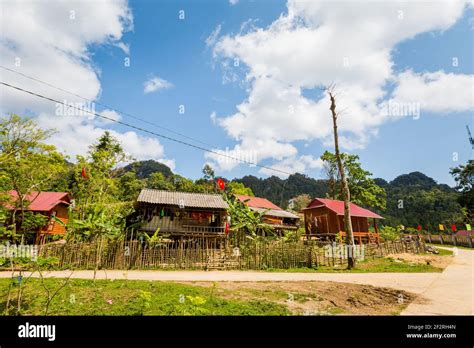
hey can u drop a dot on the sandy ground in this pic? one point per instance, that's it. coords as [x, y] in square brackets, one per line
[317, 298]
[433, 260]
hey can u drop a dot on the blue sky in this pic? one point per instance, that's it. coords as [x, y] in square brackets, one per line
[175, 50]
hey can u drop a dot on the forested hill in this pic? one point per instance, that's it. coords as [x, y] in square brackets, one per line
[412, 198]
[280, 191]
[144, 169]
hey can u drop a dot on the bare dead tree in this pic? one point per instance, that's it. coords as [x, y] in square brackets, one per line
[345, 186]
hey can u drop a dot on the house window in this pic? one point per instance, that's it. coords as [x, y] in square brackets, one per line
[51, 221]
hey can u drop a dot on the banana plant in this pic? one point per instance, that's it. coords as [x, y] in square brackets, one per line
[245, 219]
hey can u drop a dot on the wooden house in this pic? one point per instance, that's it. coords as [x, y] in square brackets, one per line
[275, 216]
[324, 218]
[182, 214]
[54, 205]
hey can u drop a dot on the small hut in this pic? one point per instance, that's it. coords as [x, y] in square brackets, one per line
[182, 214]
[274, 216]
[53, 205]
[324, 219]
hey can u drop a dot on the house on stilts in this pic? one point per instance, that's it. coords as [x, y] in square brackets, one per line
[324, 219]
[182, 214]
[275, 217]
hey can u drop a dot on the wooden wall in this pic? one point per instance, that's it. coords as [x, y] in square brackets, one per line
[330, 222]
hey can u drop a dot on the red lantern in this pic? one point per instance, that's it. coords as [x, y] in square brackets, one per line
[220, 184]
[84, 173]
[453, 228]
[418, 227]
[227, 228]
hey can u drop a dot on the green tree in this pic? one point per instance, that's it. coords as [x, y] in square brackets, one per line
[130, 186]
[237, 188]
[208, 172]
[158, 181]
[183, 184]
[300, 202]
[96, 174]
[464, 177]
[364, 190]
[98, 210]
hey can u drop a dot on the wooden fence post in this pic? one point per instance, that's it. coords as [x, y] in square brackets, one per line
[454, 240]
[469, 240]
[441, 239]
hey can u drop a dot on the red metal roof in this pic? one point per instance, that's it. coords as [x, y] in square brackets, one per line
[44, 201]
[338, 208]
[257, 202]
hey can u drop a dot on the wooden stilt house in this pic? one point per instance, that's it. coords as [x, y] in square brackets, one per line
[324, 219]
[182, 214]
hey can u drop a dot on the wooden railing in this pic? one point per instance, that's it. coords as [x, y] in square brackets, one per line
[358, 236]
[204, 229]
[466, 241]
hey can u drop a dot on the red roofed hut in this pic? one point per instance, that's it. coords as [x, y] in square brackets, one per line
[324, 218]
[54, 205]
[275, 216]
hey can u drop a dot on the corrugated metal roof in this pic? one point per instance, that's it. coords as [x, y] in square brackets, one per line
[43, 201]
[276, 212]
[261, 204]
[186, 199]
[257, 202]
[338, 208]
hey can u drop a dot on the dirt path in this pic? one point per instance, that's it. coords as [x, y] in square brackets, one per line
[412, 282]
[451, 292]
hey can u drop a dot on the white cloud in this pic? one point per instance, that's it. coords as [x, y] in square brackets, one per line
[74, 134]
[213, 117]
[155, 83]
[313, 45]
[51, 42]
[233, 2]
[292, 165]
[111, 115]
[436, 92]
[212, 38]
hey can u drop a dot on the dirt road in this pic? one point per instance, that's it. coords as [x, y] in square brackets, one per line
[451, 292]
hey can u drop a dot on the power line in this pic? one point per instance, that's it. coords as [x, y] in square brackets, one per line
[144, 130]
[103, 105]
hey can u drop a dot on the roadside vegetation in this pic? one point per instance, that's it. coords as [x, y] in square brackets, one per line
[127, 297]
[393, 264]
[109, 297]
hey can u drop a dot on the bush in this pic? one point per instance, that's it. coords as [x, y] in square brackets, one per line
[389, 233]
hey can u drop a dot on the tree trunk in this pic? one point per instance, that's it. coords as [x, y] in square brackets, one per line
[345, 187]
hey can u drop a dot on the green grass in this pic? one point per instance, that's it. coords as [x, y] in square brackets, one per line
[127, 297]
[442, 252]
[377, 265]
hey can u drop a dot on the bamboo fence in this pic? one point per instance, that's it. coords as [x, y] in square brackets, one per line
[215, 253]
